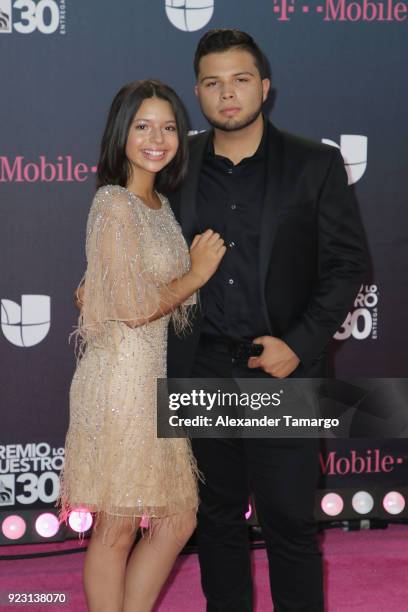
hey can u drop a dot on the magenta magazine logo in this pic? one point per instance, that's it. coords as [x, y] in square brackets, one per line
[62, 169]
[343, 10]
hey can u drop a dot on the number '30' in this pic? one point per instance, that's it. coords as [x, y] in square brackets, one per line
[42, 16]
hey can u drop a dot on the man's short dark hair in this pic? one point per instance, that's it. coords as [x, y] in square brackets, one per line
[217, 41]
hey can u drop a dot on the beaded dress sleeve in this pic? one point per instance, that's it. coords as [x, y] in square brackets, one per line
[118, 283]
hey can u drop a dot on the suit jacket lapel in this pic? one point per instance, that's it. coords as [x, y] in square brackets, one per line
[273, 199]
[188, 194]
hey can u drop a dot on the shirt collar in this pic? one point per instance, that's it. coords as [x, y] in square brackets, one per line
[259, 153]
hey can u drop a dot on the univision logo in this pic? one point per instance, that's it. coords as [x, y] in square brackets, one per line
[354, 151]
[7, 490]
[28, 324]
[5, 15]
[189, 15]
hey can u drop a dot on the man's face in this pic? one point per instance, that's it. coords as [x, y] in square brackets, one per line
[230, 90]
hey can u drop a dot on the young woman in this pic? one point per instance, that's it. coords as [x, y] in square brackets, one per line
[139, 275]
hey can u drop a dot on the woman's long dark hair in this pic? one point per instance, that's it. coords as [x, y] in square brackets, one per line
[114, 168]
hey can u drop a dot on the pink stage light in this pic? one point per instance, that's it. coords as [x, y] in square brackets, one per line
[80, 520]
[394, 502]
[13, 527]
[249, 512]
[362, 502]
[47, 525]
[332, 504]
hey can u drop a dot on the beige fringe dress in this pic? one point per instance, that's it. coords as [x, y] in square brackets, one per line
[114, 463]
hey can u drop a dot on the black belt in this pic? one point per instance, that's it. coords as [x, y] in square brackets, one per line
[234, 348]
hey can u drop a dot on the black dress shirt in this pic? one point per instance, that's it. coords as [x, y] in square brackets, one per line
[230, 200]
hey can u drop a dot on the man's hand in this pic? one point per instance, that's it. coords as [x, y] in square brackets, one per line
[79, 296]
[277, 358]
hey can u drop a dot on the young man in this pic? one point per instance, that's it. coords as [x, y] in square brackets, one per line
[294, 263]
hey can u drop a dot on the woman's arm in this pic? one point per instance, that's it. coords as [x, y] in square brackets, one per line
[206, 252]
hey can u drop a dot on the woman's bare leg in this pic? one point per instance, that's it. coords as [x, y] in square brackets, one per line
[105, 567]
[152, 559]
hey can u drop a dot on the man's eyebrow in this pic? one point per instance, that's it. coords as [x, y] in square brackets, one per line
[207, 77]
[235, 75]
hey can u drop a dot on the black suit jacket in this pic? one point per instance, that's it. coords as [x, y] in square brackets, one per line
[312, 257]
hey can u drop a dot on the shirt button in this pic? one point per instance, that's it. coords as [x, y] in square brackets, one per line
[232, 244]
[231, 281]
[233, 206]
[229, 171]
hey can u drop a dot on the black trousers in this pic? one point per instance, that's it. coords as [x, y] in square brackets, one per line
[282, 475]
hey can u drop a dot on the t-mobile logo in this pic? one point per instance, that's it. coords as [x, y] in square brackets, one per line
[28, 324]
[354, 151]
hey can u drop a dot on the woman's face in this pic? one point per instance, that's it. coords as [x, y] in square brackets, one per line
[153, 139]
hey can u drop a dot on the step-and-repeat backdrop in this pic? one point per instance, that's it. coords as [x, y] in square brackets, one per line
[338, 69]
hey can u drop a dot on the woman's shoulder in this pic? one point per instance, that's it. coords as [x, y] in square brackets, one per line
[112, 193]
[112, 198]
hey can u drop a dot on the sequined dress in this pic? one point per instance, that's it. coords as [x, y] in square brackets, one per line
[114, 462]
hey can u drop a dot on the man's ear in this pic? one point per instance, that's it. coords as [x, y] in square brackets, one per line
[266, 85]
[196, 89]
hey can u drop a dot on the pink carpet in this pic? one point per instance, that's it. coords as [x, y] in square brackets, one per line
[365, 571]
